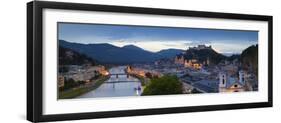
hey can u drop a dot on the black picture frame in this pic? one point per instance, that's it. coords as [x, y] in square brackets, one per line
[35, 69]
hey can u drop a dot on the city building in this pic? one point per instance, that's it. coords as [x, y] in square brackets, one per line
[142, 71]
[179, 60]
[60, 81]
[232, 84]
[193, 63]
[231, 69]
[85, 73]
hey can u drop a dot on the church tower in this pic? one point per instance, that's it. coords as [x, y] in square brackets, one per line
[241, 77]
[222, 82]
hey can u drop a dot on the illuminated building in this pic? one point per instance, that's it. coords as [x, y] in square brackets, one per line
[232, 84]
[192, 63]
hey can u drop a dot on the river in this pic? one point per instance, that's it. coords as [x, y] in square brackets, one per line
[116, 86]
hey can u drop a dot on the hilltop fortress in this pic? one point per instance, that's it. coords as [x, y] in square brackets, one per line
[193, 62]
[200, 47]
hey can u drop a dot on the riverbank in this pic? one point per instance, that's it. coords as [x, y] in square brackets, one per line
[75, 92]
[142, 79]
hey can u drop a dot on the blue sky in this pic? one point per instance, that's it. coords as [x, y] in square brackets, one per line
[158, 38]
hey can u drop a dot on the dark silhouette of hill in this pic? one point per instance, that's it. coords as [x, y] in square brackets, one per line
[249, 59]
[169, 53]
[70, 57]
[204, 54]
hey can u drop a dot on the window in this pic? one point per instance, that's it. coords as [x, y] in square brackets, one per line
[223, 80]
[235, 86]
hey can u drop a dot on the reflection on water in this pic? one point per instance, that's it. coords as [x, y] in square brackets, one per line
[119, 84]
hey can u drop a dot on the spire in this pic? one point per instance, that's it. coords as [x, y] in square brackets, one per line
[222, 78]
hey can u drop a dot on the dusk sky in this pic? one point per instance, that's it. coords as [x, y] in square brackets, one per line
[157, 38]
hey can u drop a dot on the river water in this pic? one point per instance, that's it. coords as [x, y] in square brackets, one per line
[116, 86]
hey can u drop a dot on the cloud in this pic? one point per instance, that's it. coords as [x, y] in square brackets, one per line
[231, 47]
[196, 43]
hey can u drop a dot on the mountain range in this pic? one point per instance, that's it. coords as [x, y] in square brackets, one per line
[107, 53]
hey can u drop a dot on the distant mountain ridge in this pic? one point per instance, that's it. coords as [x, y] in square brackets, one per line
[169, 52]
[132, 47]
[107, 53]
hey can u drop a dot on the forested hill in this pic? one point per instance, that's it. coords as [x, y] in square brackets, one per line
[71, 57]
[249, 58]
[204, 54]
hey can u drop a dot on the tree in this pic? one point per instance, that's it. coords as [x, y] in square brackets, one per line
[70, 83]
[163, 86]
[148, 75]
[81, 82]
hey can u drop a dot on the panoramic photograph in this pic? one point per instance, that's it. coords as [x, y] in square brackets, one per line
[104, 60]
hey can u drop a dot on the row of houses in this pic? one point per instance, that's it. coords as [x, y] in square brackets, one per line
[191, 63]
[141, 71]
[81, 73]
